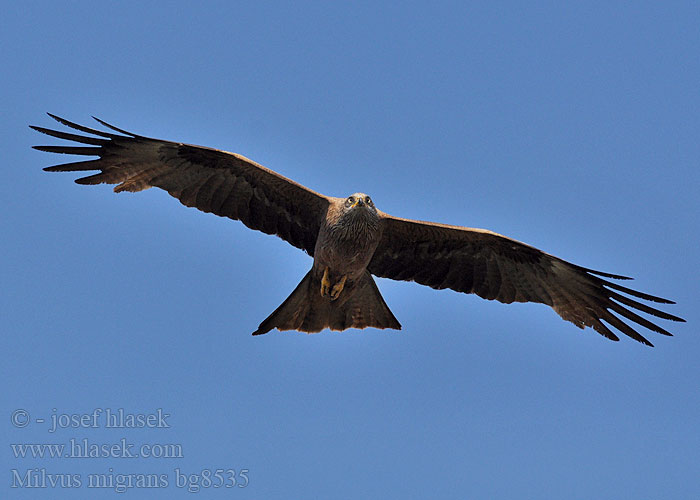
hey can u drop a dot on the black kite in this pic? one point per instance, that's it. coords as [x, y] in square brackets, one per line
[350, 240]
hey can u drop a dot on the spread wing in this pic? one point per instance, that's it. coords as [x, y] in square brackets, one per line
[498, 268]
[211, 180]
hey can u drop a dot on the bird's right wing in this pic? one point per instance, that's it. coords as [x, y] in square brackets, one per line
[210, 180]
[499, 268]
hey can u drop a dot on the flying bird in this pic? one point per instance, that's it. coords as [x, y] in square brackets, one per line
[351, 240]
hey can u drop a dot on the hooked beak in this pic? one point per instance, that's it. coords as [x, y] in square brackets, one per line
[358, 202]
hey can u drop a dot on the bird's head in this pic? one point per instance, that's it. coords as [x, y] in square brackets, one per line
[359, 201]
[357, 213]
[358, 208]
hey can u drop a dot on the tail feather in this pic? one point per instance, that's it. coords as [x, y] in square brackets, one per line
[307, 311]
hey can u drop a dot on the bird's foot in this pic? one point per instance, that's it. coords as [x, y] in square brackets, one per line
[325, 284]
[338, 287]
[332, 291]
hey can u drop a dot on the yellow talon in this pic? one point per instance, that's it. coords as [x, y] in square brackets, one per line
[325, 284]
[332, 291]
[338, 287]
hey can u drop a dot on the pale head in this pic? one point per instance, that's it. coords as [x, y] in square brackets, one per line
[359, 200]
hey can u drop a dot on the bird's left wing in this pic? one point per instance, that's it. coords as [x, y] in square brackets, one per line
[211, 180]
[499, 268]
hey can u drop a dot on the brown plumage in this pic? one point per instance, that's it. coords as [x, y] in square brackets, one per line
[350, 240]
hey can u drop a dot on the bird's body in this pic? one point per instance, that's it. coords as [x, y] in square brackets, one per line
[348, 238]
[351, 240]
[339, 292]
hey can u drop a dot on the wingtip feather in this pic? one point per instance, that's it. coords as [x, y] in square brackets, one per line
[121, 131]
[82, 128]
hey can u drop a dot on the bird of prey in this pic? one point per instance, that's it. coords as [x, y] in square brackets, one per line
[351, 240]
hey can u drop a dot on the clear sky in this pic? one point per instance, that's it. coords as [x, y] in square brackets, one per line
[573, 127]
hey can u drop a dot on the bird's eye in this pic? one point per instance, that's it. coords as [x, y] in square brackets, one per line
[368, 200]
[350, 200]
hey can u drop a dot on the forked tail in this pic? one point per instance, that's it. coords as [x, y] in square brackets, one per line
[307, 311]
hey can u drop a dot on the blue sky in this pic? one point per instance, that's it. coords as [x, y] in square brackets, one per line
[571, 127]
